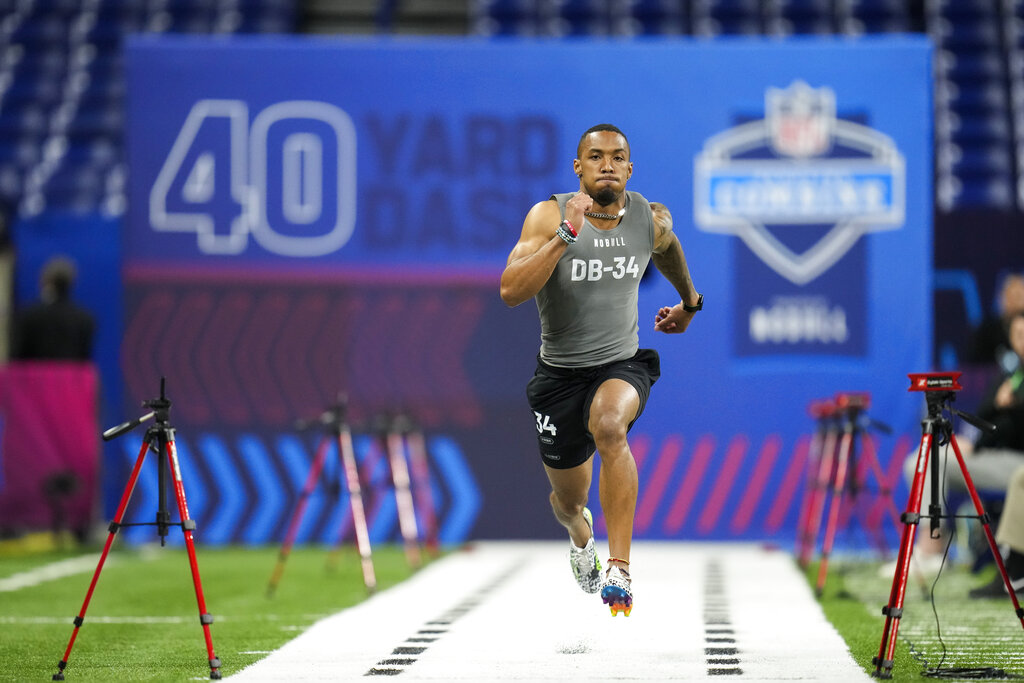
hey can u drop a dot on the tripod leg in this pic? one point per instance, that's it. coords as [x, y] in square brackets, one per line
[804, 544]
[884, 497]
[403, 497]
[421, 482]
[845, 447]
[114, 526]
[893, 611]
[828, 452]
[187, 525]
[983, 516]
[300, 509]
[355, 496]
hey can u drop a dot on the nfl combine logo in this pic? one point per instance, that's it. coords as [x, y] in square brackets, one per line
[799, 187]
[800, 165]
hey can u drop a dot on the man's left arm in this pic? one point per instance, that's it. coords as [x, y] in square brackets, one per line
[670, 260]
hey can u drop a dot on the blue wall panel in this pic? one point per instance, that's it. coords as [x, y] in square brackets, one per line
[310, 217]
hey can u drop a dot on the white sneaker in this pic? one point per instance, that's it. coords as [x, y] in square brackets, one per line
[585, 565]
[923, 564]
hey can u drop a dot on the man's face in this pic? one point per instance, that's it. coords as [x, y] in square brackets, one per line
[604, 166]
[1017, 336]
[1013, 296]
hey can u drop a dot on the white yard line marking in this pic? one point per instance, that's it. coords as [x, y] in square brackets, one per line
[50, 572]
[511, 611]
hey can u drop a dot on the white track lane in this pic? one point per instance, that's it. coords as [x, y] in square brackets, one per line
[510, 611]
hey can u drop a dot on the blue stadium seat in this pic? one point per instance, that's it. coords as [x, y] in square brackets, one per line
[41, 32]
[986, 97]
[577, 18]
[505, 17]
[982, 34]
[984, 161]
[657, 17]
[23, 117]
[993, 129]
[964, 10]
[872, 16]
[727, 17]
[991, 193]
[975, 66]
[800, 17]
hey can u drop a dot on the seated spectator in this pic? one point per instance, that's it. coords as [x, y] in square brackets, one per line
[55, 328]
[991, 459]
[990, 342]
[1010, 535]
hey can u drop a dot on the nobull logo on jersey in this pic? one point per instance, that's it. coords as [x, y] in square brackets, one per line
[800, 187]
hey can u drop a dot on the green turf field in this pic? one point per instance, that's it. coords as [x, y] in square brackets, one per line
[142, 623]
[982, 638]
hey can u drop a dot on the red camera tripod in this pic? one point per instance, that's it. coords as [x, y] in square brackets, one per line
[160, 439]
[337, 432]
[839, 460]
[936, 430]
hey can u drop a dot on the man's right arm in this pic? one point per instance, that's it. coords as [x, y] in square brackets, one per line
[535, 256]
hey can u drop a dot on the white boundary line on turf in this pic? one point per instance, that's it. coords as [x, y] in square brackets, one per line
[49, 572]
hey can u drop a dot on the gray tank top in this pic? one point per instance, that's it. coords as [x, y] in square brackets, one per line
[588, 307]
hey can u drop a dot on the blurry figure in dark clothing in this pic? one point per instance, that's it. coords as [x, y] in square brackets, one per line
[55, 328]
[990, 342]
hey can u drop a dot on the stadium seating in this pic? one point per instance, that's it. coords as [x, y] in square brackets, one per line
[979, 119]
[62, 93]
[62, 89]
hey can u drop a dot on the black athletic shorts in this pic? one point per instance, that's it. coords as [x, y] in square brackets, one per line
[560, 399]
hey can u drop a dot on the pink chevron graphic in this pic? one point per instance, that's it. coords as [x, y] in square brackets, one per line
[657, 481]
[639, 446]
[268, 353]
[291, 359]
[677, 514]
[174, 356]
[461, 321]
[790, 482]
[216, 365]
[720, 491]
[141, 336]
[758, 480]
[255, 351]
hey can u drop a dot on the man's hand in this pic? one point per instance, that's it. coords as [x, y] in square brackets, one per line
[576, 206]
[673, 320]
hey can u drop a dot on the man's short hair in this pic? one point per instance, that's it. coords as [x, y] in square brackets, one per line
[60, 272]
[596, 129]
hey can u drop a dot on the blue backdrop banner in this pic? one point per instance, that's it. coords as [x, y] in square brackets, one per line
[311, 216]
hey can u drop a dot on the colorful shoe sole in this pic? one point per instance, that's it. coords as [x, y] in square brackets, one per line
[617, 600]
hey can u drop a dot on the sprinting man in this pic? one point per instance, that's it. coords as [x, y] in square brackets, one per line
[581, 256]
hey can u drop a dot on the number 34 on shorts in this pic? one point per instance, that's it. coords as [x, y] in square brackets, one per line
[544, 424]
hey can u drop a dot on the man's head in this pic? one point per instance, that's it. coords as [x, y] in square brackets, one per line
[602, 163]
[1013, 295]
[1016, 333]
[600, 128]
[57, 278]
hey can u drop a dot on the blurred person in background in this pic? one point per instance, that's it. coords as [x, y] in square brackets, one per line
[55, 327]
[991, 458]
[1010, 536]
[990, 343]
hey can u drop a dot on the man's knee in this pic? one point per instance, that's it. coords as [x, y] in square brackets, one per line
[568, 503]
[609, 432]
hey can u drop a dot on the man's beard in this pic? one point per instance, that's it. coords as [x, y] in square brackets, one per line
[605, 196]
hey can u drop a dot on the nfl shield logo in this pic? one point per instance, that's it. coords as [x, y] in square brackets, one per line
[799, 166]
[800, 119]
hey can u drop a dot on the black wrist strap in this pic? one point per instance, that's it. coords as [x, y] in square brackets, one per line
[693, 309]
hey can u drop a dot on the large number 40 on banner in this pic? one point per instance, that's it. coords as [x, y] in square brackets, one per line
[289, 179]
